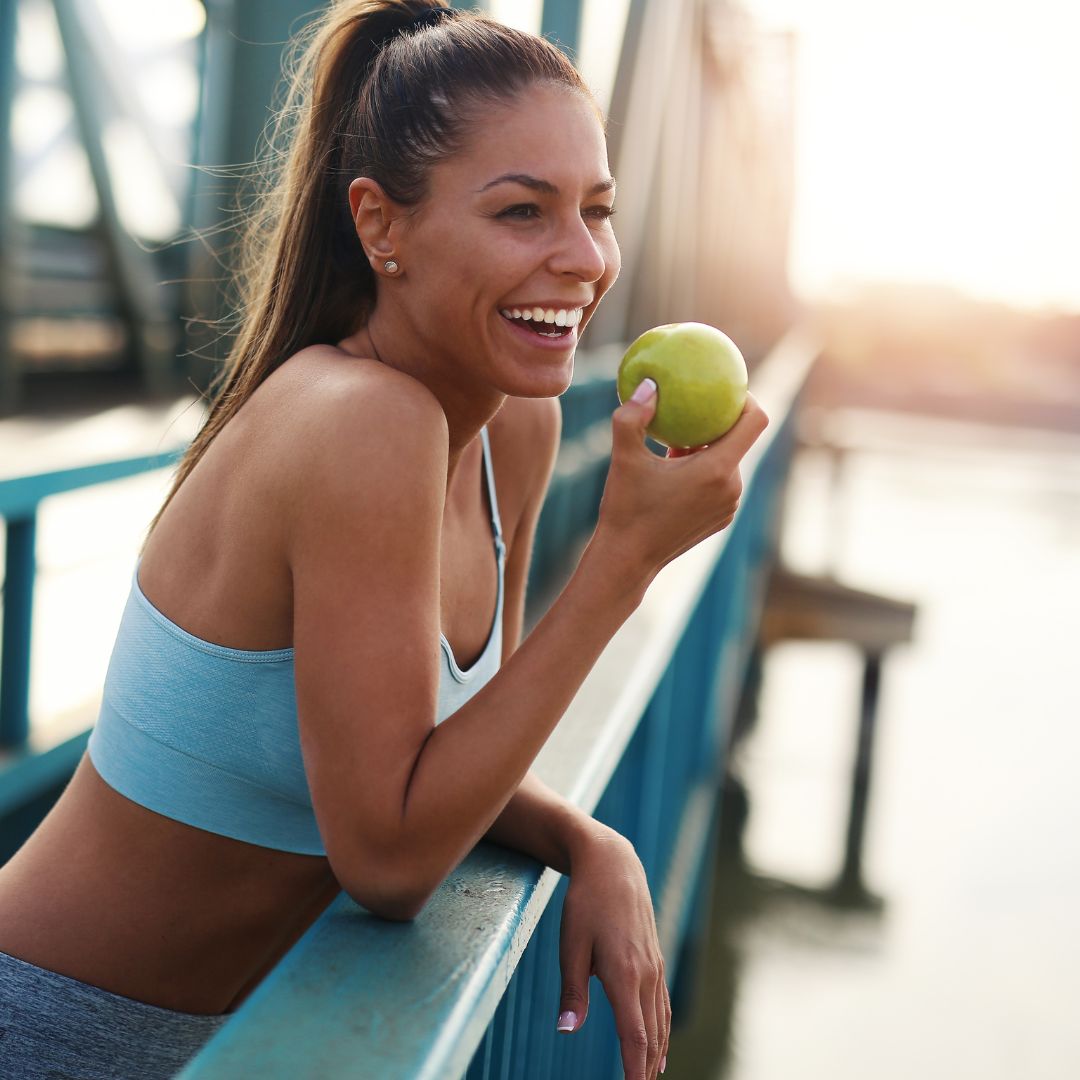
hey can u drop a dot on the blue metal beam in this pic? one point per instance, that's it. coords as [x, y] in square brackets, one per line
[9, 381]
[242, 53]
[561, 21]
[134, 270]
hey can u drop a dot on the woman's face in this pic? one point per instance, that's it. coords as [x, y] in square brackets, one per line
[514, 231]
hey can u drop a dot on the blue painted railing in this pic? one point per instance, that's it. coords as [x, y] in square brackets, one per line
[471, 987]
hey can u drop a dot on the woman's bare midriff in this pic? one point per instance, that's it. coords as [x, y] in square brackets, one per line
[122, 898]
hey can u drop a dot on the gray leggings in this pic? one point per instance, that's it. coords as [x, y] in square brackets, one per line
[53, 1027]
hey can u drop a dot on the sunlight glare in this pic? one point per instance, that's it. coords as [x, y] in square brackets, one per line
[937, 143]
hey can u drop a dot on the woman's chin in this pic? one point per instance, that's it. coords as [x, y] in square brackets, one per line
[550, 381]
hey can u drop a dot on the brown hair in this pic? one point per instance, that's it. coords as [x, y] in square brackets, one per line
[371, 93]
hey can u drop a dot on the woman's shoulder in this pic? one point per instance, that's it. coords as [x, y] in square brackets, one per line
[343, 421]
[322, 385]
[327, 400]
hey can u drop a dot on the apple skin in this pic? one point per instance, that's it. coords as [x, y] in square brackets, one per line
[700, 377]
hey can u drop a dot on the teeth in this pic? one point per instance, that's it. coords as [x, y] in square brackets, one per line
[550, 316]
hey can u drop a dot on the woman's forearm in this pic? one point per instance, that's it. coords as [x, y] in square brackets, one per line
[475, 760]
[542, 823]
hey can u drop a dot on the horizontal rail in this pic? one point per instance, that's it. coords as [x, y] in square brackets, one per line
[418, 1000]
[20, 495]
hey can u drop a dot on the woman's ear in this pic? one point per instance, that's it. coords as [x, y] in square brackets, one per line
[373, 211]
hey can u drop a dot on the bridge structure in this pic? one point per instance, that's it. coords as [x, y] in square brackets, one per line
[699, 133]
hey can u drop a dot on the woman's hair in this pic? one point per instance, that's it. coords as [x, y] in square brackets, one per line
[375, 90]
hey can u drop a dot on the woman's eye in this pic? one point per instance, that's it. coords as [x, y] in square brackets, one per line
[521, 210]
[528, 211]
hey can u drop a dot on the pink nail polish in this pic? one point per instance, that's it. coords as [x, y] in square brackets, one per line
[663, 1063]
[644, 392]
[567, 1021]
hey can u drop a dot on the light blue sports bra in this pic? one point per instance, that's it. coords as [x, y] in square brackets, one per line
[207, 735]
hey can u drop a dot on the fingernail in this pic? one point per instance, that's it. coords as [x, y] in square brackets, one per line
[663, 1063]
[644, 392]
[567, 1021]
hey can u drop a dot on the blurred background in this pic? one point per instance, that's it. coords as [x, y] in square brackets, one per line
[896, 888]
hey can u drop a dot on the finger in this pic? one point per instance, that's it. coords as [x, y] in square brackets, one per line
[575, 963]
[663, 1012]
[632, 1032]
[734, 444]
[630, 419]
[651, 1017]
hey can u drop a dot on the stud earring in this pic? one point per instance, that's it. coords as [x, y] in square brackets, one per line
[390, 266]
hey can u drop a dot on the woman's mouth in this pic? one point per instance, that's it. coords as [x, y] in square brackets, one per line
[544, 322]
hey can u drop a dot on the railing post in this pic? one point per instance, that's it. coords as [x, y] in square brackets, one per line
[851, 875]
[19, 567]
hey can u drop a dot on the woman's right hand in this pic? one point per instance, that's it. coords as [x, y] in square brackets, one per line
[655, 508]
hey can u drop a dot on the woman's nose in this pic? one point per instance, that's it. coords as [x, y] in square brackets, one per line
[579, 252]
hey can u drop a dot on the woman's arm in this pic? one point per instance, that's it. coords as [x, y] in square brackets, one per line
[540, 822]
[400, 801]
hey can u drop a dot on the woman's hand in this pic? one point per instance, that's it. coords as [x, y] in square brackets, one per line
[609, 930]
[656, 508]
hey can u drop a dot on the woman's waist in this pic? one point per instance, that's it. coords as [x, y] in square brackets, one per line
[116, 896]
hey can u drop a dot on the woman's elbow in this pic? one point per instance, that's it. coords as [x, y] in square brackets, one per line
[393, 909]
[401, 902]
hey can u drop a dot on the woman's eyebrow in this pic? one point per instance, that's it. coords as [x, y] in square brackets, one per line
[545, 187]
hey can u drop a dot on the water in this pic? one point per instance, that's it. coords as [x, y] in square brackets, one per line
[969, 969]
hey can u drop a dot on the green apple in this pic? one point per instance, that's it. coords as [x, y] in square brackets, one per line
[700, 377]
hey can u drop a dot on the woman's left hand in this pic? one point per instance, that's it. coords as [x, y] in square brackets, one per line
[609, 930]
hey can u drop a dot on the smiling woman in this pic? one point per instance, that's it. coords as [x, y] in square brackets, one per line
[317, 682]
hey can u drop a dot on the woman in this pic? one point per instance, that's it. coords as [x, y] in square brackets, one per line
[305, 693]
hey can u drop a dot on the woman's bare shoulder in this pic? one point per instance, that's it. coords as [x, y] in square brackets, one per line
[322, 383]
[328, 400]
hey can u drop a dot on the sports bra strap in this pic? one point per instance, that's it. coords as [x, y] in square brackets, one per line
[489, 473]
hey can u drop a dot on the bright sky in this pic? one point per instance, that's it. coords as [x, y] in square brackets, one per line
[937, 141]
